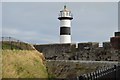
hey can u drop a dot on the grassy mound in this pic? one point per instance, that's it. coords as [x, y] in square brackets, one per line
[16, 45]
[23, 64]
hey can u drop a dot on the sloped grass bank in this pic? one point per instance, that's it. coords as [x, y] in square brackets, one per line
[23, 64]
[10, 45]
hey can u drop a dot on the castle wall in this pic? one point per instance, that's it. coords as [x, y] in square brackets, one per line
[89, 45]
[65, 60]
[56, 51]
[73, 68]
[85, 51]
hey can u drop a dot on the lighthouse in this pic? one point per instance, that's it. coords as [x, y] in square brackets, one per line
[65, 18]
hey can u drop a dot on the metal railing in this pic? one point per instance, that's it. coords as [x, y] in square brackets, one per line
[110, 73]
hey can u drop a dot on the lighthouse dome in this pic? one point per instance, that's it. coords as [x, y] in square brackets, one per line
[65, 9]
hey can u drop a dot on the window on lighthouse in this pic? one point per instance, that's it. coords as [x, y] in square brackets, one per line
[67, 13]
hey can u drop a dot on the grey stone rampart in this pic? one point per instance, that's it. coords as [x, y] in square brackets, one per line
[99, 54]
[56, 51]
[107, 45]
[85, 51]
[86, 46]
[73, 68]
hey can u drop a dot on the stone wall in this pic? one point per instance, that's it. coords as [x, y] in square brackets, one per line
[107, 45]
[98, 54]
[89, 45]
[84, 51]
[69, 60]
[73, 68]
[56, 51]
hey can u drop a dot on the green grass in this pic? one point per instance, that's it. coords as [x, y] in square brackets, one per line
[16, 45]
[8, 46]
[23, 64]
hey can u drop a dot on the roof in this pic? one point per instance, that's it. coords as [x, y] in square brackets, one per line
[65, 9]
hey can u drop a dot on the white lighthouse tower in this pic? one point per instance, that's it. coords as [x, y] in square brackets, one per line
[65, 18]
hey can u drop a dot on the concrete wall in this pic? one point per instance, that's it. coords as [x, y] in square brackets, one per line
[85, 51]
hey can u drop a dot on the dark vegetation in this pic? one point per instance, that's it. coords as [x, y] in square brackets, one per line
[16, 45]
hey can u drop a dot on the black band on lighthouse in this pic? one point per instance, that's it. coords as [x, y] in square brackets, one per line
[62, 18]
[64, 30]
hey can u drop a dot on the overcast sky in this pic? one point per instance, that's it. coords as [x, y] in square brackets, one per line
[36, 22]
